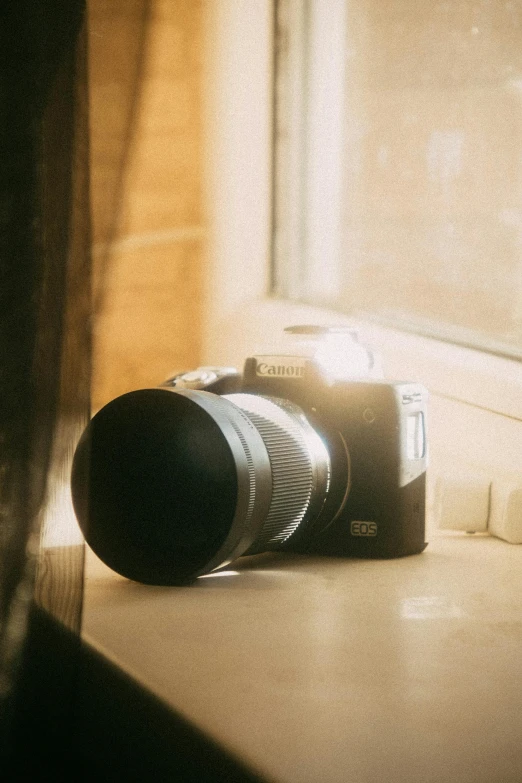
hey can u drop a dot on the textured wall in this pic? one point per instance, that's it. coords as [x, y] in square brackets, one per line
[146, 74]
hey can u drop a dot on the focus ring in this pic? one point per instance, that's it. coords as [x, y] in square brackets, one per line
[291, 463]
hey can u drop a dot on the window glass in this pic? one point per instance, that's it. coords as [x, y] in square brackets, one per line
[398, 163]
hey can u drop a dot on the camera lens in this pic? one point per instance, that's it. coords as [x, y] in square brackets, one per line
[168, 485]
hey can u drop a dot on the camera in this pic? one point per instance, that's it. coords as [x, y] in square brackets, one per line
[305, 451]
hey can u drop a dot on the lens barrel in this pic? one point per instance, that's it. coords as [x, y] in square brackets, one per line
[182, 482]
[300, 466]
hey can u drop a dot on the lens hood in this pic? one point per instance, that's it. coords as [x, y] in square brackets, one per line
[170, 484]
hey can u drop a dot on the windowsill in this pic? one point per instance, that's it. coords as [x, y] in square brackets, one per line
[307, 668]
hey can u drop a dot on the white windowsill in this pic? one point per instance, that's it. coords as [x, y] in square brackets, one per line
[308, 668]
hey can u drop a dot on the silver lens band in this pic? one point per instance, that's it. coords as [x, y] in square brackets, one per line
[299, 461]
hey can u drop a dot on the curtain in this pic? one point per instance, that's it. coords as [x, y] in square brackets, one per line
[57, 168]
[45, 300]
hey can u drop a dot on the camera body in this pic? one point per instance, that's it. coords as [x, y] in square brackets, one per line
[307, 452]
[375, 433]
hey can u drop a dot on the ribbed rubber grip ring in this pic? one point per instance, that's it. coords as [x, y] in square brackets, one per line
[294, 451]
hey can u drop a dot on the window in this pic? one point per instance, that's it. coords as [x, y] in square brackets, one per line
[398, 161]
[475, 415]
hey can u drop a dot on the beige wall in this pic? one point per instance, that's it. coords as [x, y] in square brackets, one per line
[146, 150]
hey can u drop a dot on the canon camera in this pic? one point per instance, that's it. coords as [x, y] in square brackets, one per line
[307, 452]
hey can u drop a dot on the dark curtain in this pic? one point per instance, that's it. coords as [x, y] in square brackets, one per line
[57, 169]
[45, 300]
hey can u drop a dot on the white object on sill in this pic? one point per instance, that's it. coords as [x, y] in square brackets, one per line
[461, 502]
[505, 514]
[474, 503]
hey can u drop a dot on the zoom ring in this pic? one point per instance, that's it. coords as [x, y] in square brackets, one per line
[291, 463]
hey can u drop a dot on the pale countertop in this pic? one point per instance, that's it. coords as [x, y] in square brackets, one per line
[313, 669]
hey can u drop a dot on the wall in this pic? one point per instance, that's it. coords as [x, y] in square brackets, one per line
[146, 148]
